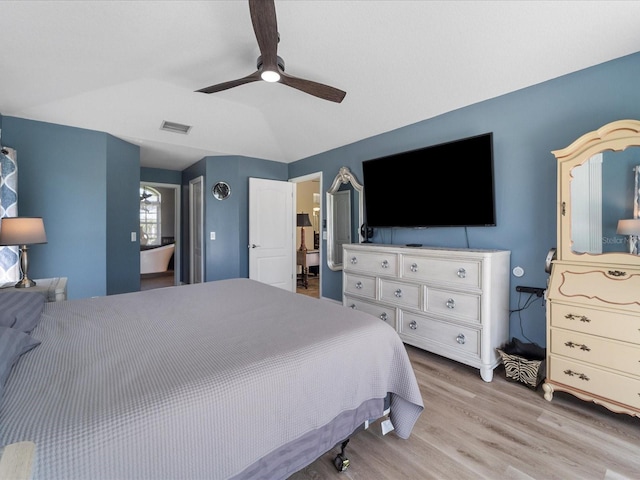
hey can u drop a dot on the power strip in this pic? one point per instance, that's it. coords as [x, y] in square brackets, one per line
[533, 290]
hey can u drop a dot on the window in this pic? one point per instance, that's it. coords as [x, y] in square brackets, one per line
[150, 216]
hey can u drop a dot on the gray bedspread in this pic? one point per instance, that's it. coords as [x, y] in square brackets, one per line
[196, 382]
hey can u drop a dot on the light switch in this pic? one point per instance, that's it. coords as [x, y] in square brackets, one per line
[133, 236]
[212, 235]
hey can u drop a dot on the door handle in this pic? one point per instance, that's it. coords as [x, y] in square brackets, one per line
[253, 245]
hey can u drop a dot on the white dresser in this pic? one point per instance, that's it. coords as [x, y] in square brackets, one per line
[593, 308]
[452, 302]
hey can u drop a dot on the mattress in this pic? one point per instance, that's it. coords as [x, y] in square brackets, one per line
[226, 379]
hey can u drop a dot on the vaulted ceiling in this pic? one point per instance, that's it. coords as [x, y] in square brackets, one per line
[124, 67]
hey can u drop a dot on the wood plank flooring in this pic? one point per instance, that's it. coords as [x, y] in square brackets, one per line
[150, 281]
[313, 289]
[471, 429]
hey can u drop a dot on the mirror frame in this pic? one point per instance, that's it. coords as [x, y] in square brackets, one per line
[344, 176]
[614, 136]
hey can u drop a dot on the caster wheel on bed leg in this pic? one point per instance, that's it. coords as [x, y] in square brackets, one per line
[341, 462]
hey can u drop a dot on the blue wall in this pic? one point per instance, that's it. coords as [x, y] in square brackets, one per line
[160, 175]
[123, 217]
[63, 176]
[227, 256]
[527, 125]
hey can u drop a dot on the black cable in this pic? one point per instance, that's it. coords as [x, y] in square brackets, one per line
[530, 300]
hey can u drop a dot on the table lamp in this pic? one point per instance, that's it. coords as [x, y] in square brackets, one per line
[302, 220]
[22, 231]
[630, 227]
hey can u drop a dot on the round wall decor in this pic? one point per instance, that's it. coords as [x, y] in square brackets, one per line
[221, 190]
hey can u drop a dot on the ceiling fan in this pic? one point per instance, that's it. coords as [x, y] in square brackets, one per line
[270, 67]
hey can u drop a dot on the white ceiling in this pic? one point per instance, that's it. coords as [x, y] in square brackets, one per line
[123, 67]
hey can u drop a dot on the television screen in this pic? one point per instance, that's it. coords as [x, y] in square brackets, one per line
[446, 185]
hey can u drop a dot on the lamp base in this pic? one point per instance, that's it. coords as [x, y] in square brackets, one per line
[25, 283]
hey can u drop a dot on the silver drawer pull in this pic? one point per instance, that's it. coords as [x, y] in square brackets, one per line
[413, 325]
[581, 376]
[398, 293]
[353, 306]
[462, 273]
[354, 260]
[359, 285]
[582, 346]
[460, 339]
[384, 264]
[414, 267]
[451, 303]
[384, 317]
[573, 316]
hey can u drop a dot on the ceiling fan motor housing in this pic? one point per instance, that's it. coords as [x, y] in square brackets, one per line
[280, 63]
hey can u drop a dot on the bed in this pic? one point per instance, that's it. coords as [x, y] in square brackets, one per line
[226, 379]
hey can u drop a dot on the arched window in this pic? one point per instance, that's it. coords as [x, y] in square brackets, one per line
[150, 216]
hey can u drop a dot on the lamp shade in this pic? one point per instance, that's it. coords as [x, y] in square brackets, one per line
[629, 227]
[22, 231]
[303, 220]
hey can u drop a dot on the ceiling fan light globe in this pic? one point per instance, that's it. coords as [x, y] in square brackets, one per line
[270, 76]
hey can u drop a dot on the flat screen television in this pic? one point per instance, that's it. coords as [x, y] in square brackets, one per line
[445, 185]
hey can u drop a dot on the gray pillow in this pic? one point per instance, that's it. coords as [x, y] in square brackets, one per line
[13, 343]
[21, 310]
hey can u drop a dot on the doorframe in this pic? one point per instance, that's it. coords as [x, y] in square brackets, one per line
[307, 178]
[200, 220]
[177, 198]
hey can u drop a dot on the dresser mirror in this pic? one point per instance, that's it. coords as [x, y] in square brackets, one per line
[598, 188]
[596, 211]
[344, 215]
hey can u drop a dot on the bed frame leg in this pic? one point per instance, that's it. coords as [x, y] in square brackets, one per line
[341, 462]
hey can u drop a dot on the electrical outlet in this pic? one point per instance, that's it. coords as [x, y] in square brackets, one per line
[534, 290]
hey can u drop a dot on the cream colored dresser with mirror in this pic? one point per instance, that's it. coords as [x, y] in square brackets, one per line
[452, 302]
[593, 308]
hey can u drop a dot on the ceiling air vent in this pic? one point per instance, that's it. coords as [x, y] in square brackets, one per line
[175, 127]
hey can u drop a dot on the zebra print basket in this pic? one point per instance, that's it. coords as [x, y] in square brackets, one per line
[530, 371]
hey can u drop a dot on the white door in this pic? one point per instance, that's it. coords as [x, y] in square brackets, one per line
[196, 218]
[271, 233]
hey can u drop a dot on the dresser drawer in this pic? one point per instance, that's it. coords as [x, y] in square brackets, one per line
[383, 312]
[405, 294]
[360, 285]
[619, 388]
[596, 350]
[371, 262]
[463, 339]
[619, 326]
[453, 272]
[462, 306]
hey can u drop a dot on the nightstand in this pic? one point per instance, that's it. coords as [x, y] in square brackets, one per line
[55, 289]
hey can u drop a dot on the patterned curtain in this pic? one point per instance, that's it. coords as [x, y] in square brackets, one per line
[9, 256]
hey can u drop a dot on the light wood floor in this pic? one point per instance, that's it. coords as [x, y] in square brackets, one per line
[156, 280]
[313, 289]
[471, 429]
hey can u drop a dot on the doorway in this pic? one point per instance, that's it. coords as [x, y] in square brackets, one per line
[159, 227]
[309, 261]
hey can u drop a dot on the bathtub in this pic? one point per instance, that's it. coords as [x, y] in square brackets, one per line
[156, 260]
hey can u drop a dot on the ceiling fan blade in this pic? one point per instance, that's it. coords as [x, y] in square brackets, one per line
[265, 26]
[254, 77]
[313, 88]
